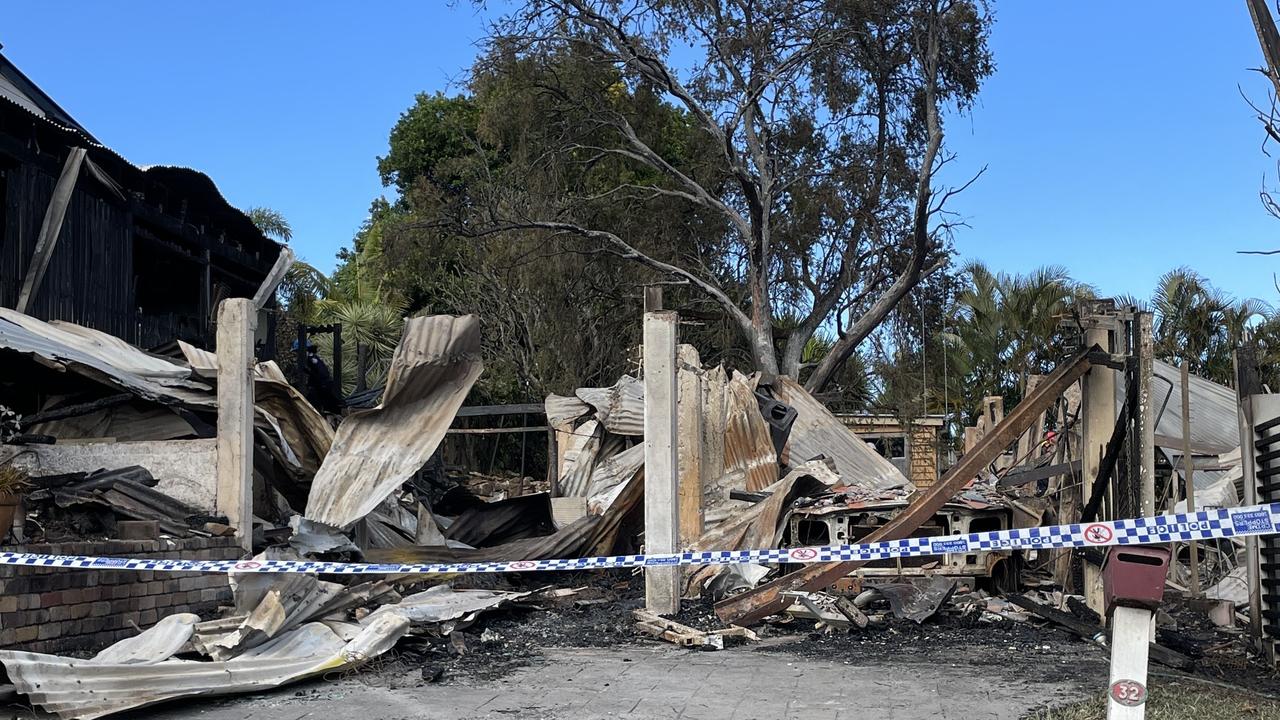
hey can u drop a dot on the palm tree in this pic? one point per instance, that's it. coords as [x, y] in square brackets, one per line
[1201, 325]
[271, 222]
[1003, 330]
[368, 315]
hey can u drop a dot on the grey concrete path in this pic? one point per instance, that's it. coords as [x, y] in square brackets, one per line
[659, 682]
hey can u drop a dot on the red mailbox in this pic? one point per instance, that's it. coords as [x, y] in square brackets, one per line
[1134, 576]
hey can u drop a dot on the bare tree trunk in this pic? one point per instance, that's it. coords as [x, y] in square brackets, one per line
[922, 241]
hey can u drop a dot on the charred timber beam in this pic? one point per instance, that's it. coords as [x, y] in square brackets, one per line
[76, 410]
[768, 599]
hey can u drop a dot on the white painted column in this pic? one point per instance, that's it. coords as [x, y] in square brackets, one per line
[1127, 689]
[661, 481]
[237, 321]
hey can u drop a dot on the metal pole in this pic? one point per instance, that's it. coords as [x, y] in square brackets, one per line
[1188, 472]
[1144, 418]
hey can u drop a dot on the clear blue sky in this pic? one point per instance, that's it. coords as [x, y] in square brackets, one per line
[1115, 136]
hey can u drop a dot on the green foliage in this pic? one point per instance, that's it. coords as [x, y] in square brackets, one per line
[271, 222]
[1003, 329]
[1201, 325]
[433, 131]
[557, 313]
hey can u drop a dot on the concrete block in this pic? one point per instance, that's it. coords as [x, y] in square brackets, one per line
[8, 603]
[26, 634]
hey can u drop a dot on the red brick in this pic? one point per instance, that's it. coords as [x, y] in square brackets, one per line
[50, 599]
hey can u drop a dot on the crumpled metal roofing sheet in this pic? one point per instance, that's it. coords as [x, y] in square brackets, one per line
[620, 408]
[77, 689]
[433, 369]
[442, 603]
[102, 357]
[818, 432]
[563, 409]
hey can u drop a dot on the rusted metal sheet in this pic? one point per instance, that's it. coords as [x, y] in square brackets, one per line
[767, 599]
[748, 448]
[619, 408]
[817, 432]
[434, 366]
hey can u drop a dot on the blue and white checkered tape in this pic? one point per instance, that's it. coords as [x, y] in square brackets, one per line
[1201, 525]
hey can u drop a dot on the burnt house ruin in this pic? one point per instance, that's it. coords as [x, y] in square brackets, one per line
[142, 253]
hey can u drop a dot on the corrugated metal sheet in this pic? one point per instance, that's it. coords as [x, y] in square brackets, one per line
[1214, 428]
[104, 358]
[748, 447]
[588, 535]
[580, 459]
[563, 409]
[819, 433]
[609, 474]
[77, 689]
[620, 408]
[443, 603]
[374, 451]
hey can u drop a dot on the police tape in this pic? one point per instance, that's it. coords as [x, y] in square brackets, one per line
[1201, 525]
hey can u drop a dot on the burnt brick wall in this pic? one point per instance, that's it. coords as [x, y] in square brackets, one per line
[56, 610]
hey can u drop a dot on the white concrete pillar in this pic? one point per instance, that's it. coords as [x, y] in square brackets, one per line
[661, 480]
[237, 321]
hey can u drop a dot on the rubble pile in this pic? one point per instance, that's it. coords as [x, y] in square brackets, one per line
[767, 466]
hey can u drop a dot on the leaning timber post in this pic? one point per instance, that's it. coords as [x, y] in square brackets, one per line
[237, 321]
[661, 480]
[50, 229]
[1144, 418]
